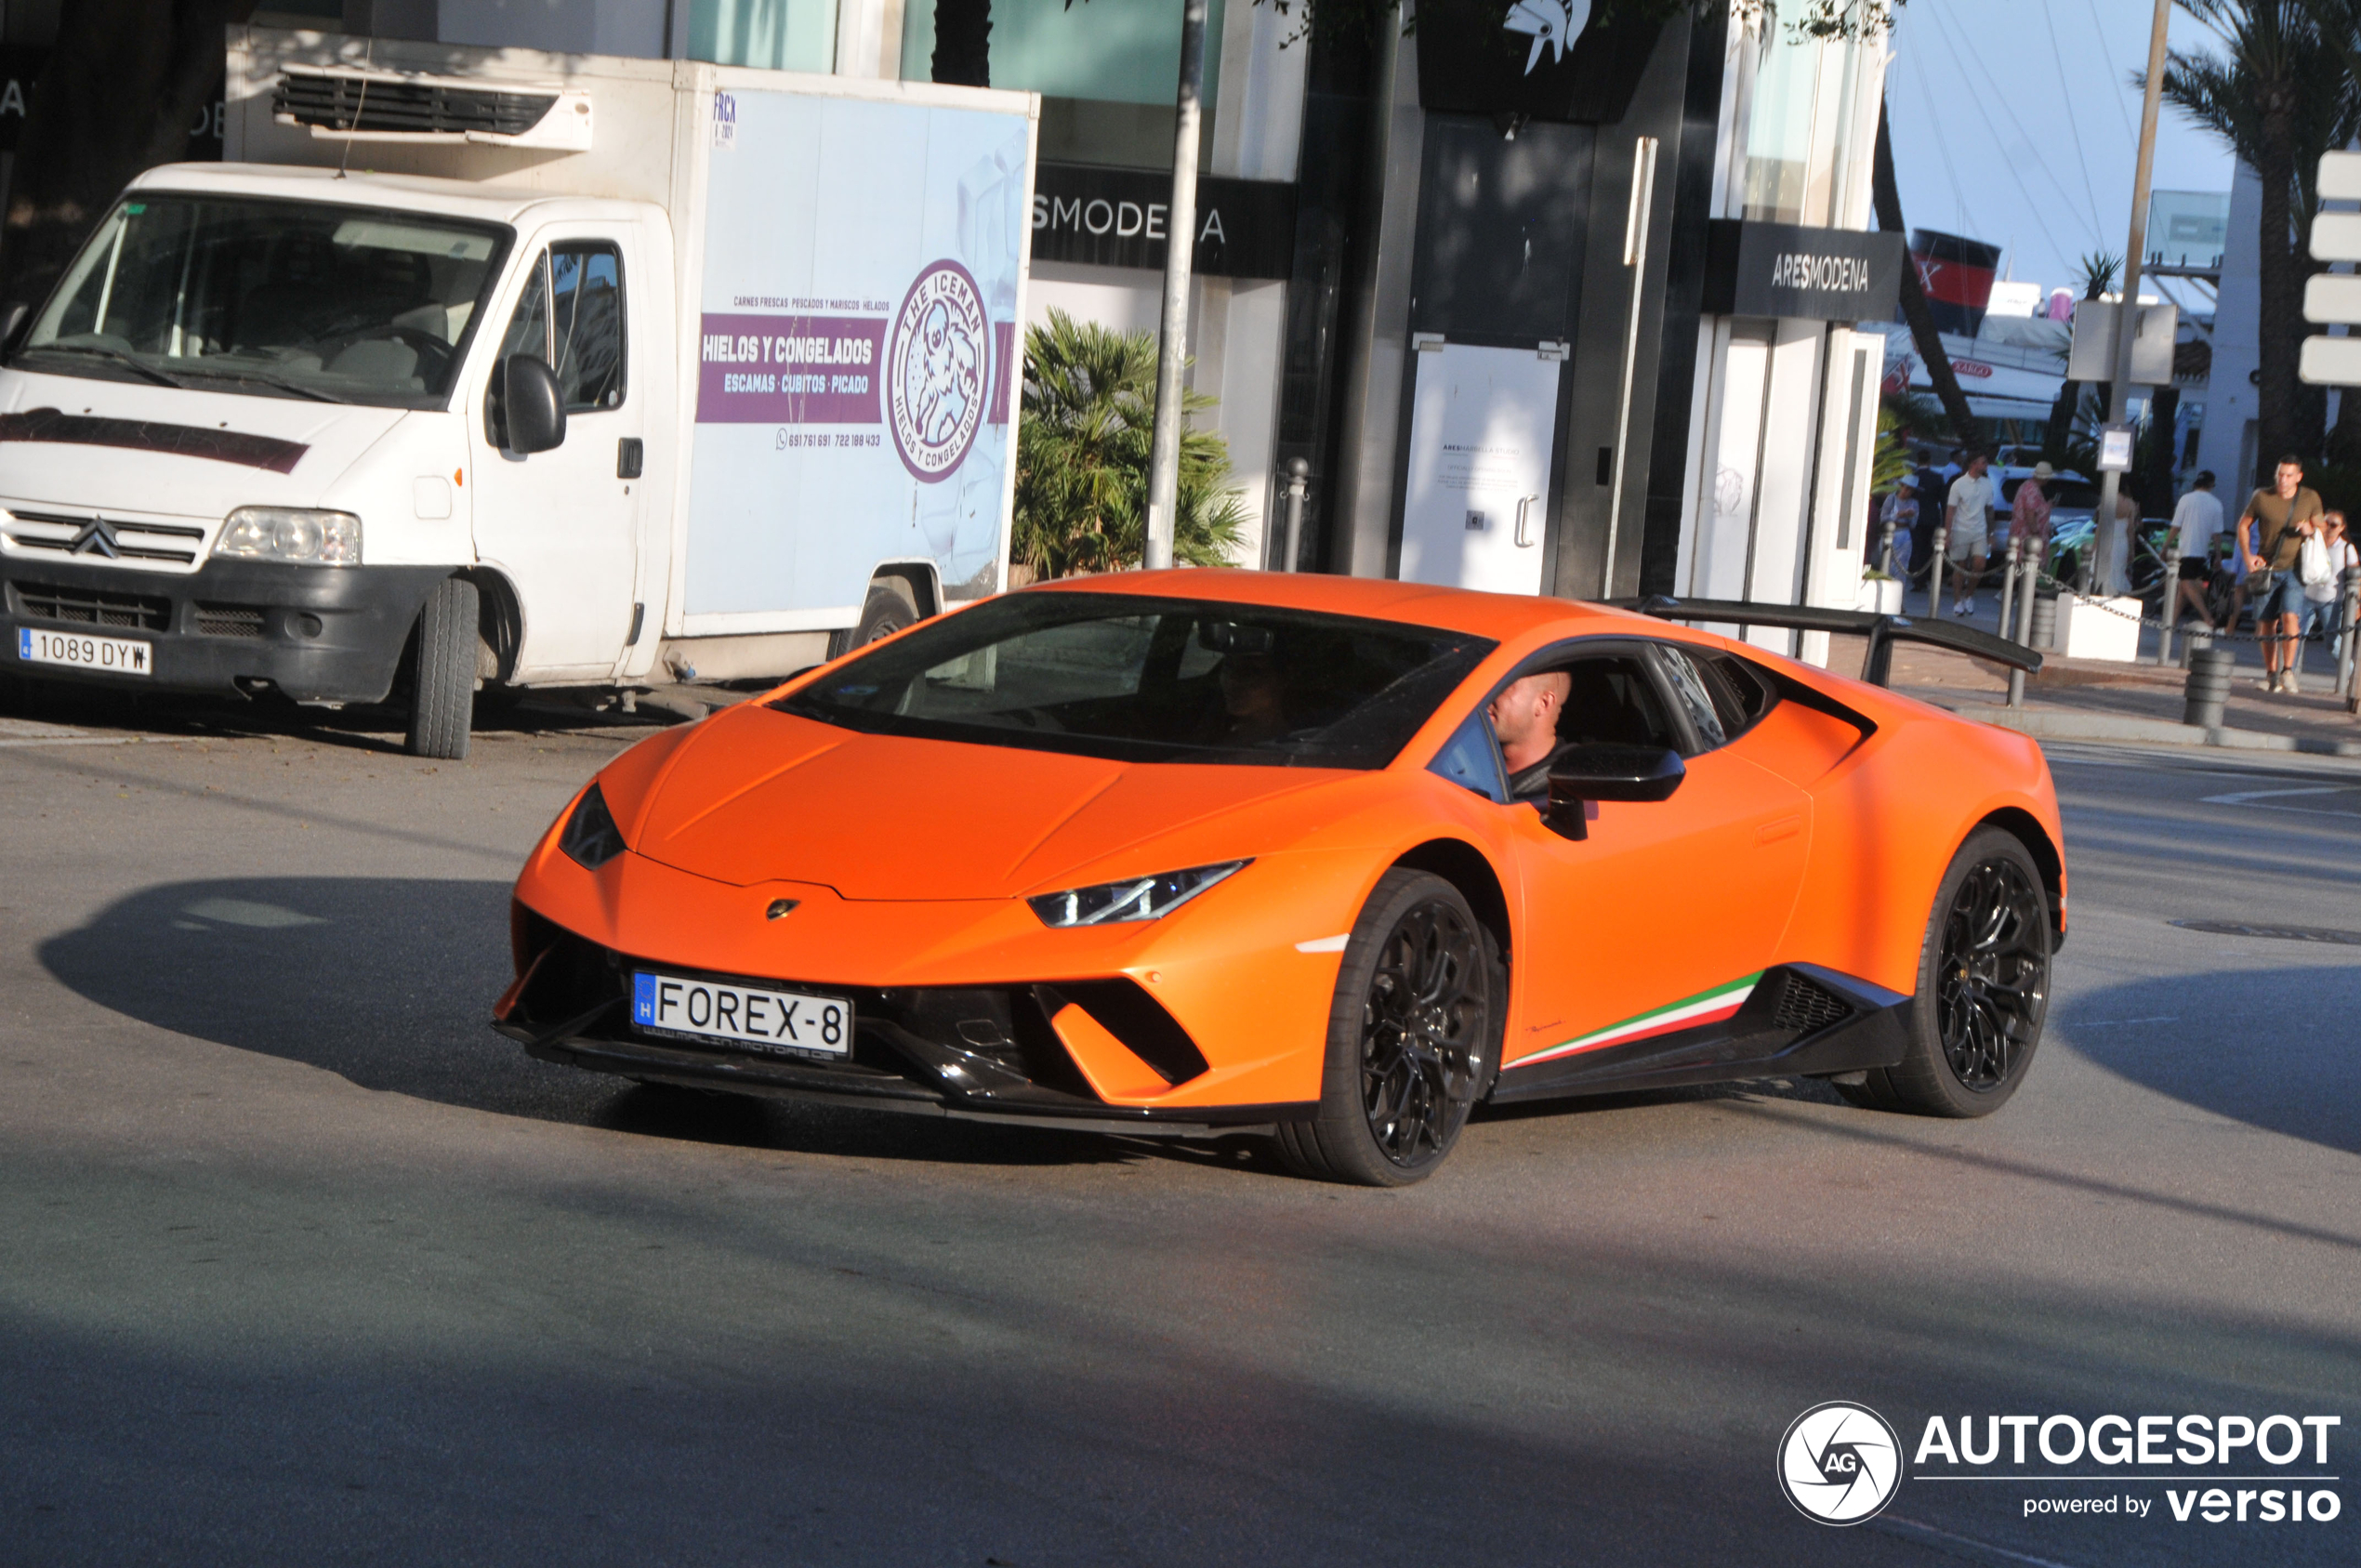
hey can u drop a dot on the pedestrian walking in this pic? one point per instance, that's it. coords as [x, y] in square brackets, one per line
[2320, 566]
[1901, 515]
[2272, 530]
[2029, 513]
[1968, 514]
[2197, 521]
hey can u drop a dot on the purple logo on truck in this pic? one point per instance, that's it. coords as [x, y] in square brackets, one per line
[938, 371]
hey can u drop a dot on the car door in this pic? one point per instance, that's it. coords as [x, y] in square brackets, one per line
[563, 525]
[1663, 916]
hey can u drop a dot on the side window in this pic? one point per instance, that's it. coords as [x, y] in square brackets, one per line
[1741, 696]
[1689, 685]
[1471, 760]
[571, 316]
[1613, 702]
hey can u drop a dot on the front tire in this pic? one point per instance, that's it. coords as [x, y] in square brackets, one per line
[1412, 1037]
[443, 677]
[1984, 988]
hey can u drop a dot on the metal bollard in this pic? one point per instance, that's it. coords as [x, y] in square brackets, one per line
[2209, 687]
[2171, 609]
[1298, 477]
[2031, 569]
[2045, 622]
[1885, 551]
[1942, 542]
[2009, 585]
[2350, 631]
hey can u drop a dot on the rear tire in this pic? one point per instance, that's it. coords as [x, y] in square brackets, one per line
[1984, 988]
[891, 607]
[1413, 1038]
[443, 677]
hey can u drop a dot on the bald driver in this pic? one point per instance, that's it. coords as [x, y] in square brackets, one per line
[1525, 718]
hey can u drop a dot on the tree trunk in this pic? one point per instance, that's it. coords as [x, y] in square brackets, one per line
[1888, 201]
[2280, 327]
[2156, 484]
[122, 87]
[963, 42]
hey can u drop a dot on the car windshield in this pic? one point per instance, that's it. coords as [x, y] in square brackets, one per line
[292, 299]
[1153, 680]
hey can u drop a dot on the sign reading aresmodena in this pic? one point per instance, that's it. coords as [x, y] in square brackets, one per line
[856, 352]
[1784, 270]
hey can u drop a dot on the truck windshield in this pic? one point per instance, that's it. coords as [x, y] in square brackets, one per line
[290, 299]
[1144, 679]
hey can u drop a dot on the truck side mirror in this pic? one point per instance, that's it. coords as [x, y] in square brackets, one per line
[13, 319]
[1582, 773]
[533, 407]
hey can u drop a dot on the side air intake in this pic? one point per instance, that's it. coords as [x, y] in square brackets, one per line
[1806, 1007]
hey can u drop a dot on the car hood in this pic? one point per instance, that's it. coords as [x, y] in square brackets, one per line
[756, 795]
[138, 448]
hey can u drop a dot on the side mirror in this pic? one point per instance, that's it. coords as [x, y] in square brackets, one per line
[14, 317]
[533, 407]
[1584, 773]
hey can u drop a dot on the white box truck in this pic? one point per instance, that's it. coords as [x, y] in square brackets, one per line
[477, 368]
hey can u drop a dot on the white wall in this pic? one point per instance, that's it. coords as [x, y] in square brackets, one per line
[2230, 396]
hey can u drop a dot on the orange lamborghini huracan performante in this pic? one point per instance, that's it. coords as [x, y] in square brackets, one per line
[1337, 860]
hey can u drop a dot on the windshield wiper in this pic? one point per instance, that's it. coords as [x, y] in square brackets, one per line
[129, 362]
[314, 393]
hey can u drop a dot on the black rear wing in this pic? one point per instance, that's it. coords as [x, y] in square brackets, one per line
[1883, 631]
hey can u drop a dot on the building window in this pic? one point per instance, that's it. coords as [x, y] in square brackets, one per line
[774, 34]
[1106, 70]
[1779, 126]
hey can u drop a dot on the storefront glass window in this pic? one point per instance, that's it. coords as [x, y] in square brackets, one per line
[1779, 128]
[773, 35]
[1107, 70]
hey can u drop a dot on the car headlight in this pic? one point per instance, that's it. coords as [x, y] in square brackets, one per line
[1135, 898]
[591, 838]
[295, 534]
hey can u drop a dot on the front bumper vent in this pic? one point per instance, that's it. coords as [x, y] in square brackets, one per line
[90, 607]
[230, 620]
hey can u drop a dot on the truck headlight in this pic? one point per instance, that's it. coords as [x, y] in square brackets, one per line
[295, 534]
[1135, 898]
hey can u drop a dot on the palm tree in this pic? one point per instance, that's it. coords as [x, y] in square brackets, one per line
[1082, 456]
[1887, 198]
[2281, 93]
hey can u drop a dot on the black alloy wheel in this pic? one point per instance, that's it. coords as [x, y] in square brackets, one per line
[1984, 988]
[1993, 977]
[1412, 1037]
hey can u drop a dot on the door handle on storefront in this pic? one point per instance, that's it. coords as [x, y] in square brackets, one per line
[1524, 521]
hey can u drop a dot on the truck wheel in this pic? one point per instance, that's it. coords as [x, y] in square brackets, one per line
[891, 607]
[1413, 1038]
[443, 678]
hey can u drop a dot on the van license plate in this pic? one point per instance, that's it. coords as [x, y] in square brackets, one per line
[113, 656]
[745, 1017]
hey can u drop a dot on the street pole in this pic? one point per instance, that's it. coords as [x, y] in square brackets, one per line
[2127, 319]
[1179, 250]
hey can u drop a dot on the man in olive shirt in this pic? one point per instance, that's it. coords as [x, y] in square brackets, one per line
[2271, 535]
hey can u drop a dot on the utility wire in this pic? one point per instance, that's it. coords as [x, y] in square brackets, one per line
[2067, 203]
[1943, 145]
[2065, 95]
[2091, 9]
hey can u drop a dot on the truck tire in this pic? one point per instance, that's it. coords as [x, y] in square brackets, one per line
[443, 683]
[891, 607]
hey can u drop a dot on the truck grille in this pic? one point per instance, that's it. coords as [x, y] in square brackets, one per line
[71, 534]
[338, 103]
[89, 607]
[230, 620]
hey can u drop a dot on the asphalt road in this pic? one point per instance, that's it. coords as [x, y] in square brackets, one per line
[299, 1263]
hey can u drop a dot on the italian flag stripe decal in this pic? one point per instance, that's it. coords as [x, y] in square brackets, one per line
[1706, 1007]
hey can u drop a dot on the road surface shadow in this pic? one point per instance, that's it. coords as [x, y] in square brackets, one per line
[2273, 1049]
[390, 984]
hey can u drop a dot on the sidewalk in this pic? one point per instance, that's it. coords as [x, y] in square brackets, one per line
[2091, 700]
